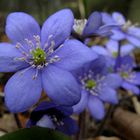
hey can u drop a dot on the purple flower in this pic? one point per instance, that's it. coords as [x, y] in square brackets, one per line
[131, 78]
[42, 60]
[52, 116]
[127, 31]
[97, 87]
[93, 26]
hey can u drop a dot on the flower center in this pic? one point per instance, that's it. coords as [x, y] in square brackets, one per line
[57, 121]
[126, 25]
[36, 55]
[115, 54]
[124, 75]
[39, 56]
[90, 84]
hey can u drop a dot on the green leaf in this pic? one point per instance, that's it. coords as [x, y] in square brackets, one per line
[35, 133]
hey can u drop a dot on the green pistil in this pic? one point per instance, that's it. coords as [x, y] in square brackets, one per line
[39, 56]
[124, 75]
[115, 54]
[90, 84]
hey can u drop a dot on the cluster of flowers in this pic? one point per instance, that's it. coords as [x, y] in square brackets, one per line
[58, 60]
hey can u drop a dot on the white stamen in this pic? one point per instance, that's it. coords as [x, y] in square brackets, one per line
[36, 74]
[21, 49]
[40, 66]
[19, 59]
[37, 39]
[30, 44]
[54, 59]
[47, 42]
[51, 48]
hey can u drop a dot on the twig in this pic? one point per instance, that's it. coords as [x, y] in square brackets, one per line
[17, 121]
[103, 122]
[136, 104]
[81, 8]
[81, 123]
[3, 130]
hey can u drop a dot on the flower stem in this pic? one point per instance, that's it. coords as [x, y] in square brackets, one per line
[17, 121]
[103, 122]
[82, 126]
[81, 8]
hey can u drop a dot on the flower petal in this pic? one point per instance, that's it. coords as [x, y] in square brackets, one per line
[74, 54]
[119, 18]
[112, 46]
[134, 31]
[46, 121]
[134, 40]
[136, 78]
[96, 107]
[107, 18]
[21, 26]
[78, 108]
[113, 80]
[8, 55]
[60, 86]
[100, 50]
[70, 126]
[118, 34]
[131, 87]
[108, 94]
[98, 66]
[93, 23]
[128, 62]
[43, 106]
[106, 30]
[127, 49]
[22, 91]
[59, 26]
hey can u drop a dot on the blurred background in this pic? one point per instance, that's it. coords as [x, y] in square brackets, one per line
[41, 9]
[82, 8]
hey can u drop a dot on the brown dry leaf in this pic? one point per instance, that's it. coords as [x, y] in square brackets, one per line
[23, 119]
[2, 133]
[136, 105]
[90, 139]
[127, 124]
[7, 123]
[4, 38]
[107, 138]
[1, 88]
[104, 138]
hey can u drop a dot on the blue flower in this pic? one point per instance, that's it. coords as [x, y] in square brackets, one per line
[93, 26]
[128, 31]
[111, 49]
[42, 60]
[52, 116]
[97, 87]
[131, 78]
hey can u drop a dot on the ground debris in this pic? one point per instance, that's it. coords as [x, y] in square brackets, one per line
[8, 123]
